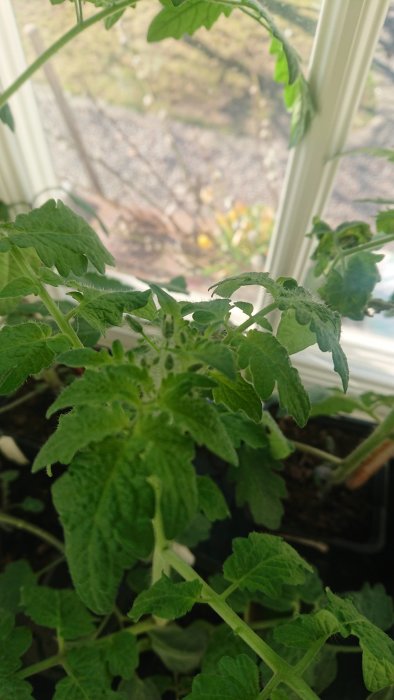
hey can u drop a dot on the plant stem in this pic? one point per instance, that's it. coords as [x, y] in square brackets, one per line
[33, 529]
[269, 688]
[267, 624]
[41, 666]
[159, 564]
[57, 45]
[255, 317]
[284, 671]
[26, 397]
[316, 452]
[344, 649]
[362, 451]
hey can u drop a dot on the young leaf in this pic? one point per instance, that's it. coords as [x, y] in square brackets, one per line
[374, 603]
[19, 287]
[16, 575]
[87, 677]
[85, 357]
[180, 648]
[78, 429]
[349, 289]
[14, 642]
[211, 499]
[121, 654]
[237, 395]
[216, 355]
[270, 365]
[279, 446]
[14, 688]
[236, 678]
[97, 388]
[173, 21]
[105, 507]
[201, 419]
[61, 239]
[166, 599]
[59, 609]
[26, 349]
[292, 335]
[138, 689]
[259, 485]
[243, 429]
[377, 647]
[6, 116]
[385, 694]
[103, 309]
[168, 455]
[264, 563]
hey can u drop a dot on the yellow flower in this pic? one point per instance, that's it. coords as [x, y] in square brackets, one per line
[204, 241]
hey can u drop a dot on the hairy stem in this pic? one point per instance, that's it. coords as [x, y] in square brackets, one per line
[361, 453]
[20, 524]
[316, 452]
[32, 670]
[281, 668]
[57, 45]
[159, 563]
[22, 399]
[255, 317]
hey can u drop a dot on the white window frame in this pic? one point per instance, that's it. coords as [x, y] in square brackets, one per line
[344, 45]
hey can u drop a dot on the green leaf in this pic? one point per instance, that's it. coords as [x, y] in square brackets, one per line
[185, 19]
[377, 647]
[85, 357]
[88, 677]
[279, 446]
[26, 349]
[15, 576]
[61, 239]
[270, 365]
[224, 642]
[236, 678]
[32, 505]
[201, 419]
[243, 429]
[349, 290]
[78, 429]
[259, 485]
[121, 654]
[304, 630]
[14, 688]
[14, 642]
[105, 507]
[385, 219]
[166, 599]
[105, 386]
[198, 530]
[168, 455]
[211, 500]
[264, 563]
[292, 335]
[60, 609]
[330, 403]
[207, 312]
[136, 689]
[216, 355]
[6, 116]
[385, 694]
[103, 309]
[374, 603]
[19, 287]
[237, 395]
[180, 648]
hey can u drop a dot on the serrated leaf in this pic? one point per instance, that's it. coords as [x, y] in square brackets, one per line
[377, 647]
[60, 609]
[61, 239]
[19, 287]
[88, 678]
[243, 429]
[207, 311]
[198, 530]
[236, 678]
[121, 654]
[304, 630]
[260, 486]
[349, 290]
[237, 395]
[180, 648]
[211, 500]
[168, 455]
[264, 563]
[85, 357]
[99, 387]
[105, 507]
[292, 335]
[384, 694]
[330, 403]
[103, 309]
[270, 366]
[78, 429]
[16, 575]
[166, 599]
[201, 419]
[26, 349]
[216, 355]
[185, 19]
[374, 603]
[137, 689]
[224, 642]
[14, 642]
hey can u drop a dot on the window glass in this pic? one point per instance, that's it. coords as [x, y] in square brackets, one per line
[186, 141]
[364, 184]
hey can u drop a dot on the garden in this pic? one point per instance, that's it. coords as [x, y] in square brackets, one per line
[182, 515]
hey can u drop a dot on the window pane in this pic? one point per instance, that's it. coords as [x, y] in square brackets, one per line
[188, 139]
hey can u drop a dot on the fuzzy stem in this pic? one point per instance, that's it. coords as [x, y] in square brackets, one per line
[361, 453]
[33, 529]
[255, 317]
[57, 45]
[316, 452]
[32, 670]
[22, 399]
[280, 667]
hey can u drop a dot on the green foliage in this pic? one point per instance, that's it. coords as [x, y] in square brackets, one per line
[211, 500]
[59, 609]
[87, 677]
[177, 19]
[14, 642]
[180, 648]
[236, 678]
[15, 576]
[6, 116]
[166, 599]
